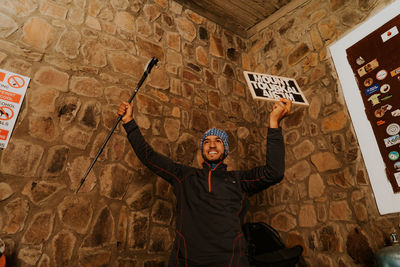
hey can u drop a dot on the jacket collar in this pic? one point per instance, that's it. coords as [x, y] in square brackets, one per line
[220, 166]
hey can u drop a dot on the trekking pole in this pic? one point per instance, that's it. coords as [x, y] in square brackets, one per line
[147, 71]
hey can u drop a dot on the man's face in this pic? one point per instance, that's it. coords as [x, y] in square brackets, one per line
[213, 148]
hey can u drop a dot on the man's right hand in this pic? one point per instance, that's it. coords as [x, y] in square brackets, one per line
[126, 111]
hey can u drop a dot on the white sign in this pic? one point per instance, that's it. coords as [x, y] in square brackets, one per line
[386, 200]
[271, 88]
[12, 91]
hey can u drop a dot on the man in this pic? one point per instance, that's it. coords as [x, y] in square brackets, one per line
[211, 202]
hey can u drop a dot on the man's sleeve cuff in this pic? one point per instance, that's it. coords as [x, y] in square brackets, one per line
[130, 126]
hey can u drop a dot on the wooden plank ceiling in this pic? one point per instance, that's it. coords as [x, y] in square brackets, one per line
[238, 16]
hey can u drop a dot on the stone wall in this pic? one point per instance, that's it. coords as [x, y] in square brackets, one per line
[84, 57]
[325, 202]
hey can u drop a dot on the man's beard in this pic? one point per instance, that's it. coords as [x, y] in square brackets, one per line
[215, 161]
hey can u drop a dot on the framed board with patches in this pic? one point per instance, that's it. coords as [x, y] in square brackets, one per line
[368, 67]
[271, 88]
[375, 61]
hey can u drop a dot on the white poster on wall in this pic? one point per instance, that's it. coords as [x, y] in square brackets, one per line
[366, 82]
[12, 91]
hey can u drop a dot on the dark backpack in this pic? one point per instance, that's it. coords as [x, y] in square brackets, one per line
[266, 249]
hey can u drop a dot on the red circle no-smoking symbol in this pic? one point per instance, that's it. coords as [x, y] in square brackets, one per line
[6, 113]
[16, 81]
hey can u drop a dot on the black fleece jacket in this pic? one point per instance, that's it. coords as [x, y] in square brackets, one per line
[211, 203]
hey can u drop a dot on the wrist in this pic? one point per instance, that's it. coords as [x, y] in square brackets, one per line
[273, 123]
[126, 120]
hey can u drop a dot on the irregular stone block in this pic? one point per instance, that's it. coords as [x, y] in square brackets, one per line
[298, 54]
[89, 115]
[5, 191]
[298, 172]
[94, 7]
[162, 212]
[122, 228]
[325, 161]
[125, 21]
[16, 214]
[283, 222]
[138, 230]
[358, 248]
[51, 9]
[94, 259]
[191, 77]
[43, 128]
[228, 71]
[44, 261]
[160, 239]
[21, 158]
[214, 99]
[216, 48]
[295, 238]
[53, 78]
[114, 181]
[69, 43]
[210, 78]
[159, 79]
[38, 33]
[75, 213]
[172, 127]
[303, 149]
[127, 263]
[199, 121]
[67, 110]
[143, 27]
[148, 49]
[307, 216]
[29, 255]
[116, 148]
[76, 15]
[41, 190]
[328, 27]
[63, 245]
[163, 189]
[111, 43]
[202, 56]
[316, 186]
[40, 229]
[94, 53]
[126, 63]
[77, 170]
[16, 50]
[343, 178]
[120, 4]
[42, 100]
[56, 160]
[186, 29]
[147, 105]
[8, 25]
[174, 41]
[339, 211]
[360, 211]
[114, 94]
[77, 138]
[185, 149]
[102, 233]
[141, 199]
[20, 8]
[93, 23]
[86, 86]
